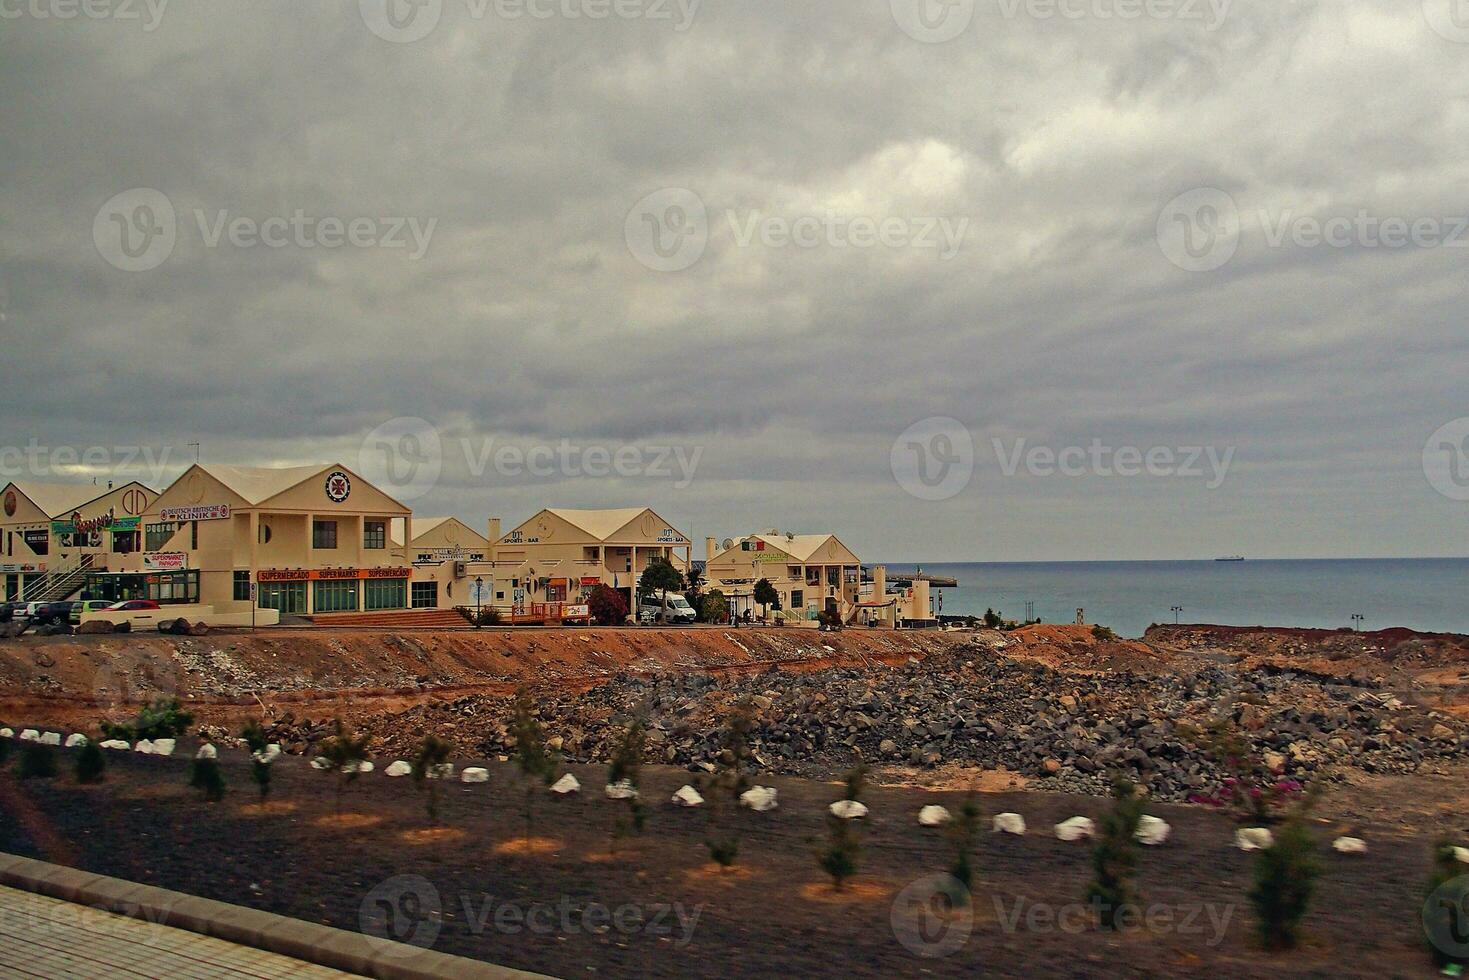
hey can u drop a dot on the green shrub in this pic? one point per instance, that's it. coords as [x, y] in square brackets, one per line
[1103, 634]
[722, 789]
[256, 742]
[627, 766]
[965, 832]
[206, 777]
[1114, 858]
[1285, 879]
[37, 762]
[164, 718]
[5, 750]
[537, 764]
[346, 751]
[91, 766]
[843, 847]
[433, 753]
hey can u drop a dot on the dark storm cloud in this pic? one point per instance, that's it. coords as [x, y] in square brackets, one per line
[528, 319]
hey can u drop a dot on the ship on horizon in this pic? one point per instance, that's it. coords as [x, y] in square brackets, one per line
[1231, 558]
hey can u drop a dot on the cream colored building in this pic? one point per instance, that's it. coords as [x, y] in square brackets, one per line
[443, 551]
[560, 555]
[51, 535]
[303, 539]
[810, 572]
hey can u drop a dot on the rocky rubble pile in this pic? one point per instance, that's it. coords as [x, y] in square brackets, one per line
[974, 709]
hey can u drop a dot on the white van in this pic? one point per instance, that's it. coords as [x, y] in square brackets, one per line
[650, 610]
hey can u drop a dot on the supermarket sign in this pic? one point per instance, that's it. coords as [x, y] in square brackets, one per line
[203, 512]
[165, 561]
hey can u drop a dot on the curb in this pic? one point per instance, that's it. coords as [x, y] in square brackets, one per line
[335, 949]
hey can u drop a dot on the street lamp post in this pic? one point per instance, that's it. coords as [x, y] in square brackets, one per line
[479, 598]
[1357, 620]
[1176, 611]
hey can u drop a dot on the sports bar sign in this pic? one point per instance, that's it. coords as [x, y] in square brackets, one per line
[203, 512]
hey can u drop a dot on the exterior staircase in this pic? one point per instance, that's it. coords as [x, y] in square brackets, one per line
[63, 583]
[395, 619]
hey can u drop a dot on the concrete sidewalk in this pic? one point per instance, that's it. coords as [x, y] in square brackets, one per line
[46, 937]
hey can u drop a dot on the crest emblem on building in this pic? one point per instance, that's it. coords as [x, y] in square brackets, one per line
[338, 486]
[10, 504]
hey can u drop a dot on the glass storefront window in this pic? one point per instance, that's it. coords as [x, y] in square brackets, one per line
[385, 593]
[335, 596]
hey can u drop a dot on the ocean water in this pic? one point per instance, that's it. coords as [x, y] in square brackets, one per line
[1430, 594]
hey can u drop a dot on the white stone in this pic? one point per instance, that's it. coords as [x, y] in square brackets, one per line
[1009, 823]
[270, 753]
[144, 747]
[361, 765]
[687, 796]
[76, 740]
[1076, 828]
[566, 784]
[934, 816]
[29, 735]
[50, 738]
[399, 768]
[1253, 838]
[621, 790]
[1349, 845]
[163, 746]
[848, 810]
[1461, 854]
[321, 762]
[1152, 831]
[116, 743]
[475, 775]
[7, 733]
[207, 751]
[761, 799]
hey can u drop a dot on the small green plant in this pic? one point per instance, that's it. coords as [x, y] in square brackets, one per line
[844, 844]
[537, 764]
[206, 777]
[1285, 880]
[1114, 858]
[4, 751]
[257, 743]
[1103, 634]
[432, 755]
[36, 762]
[627, 767]
[965, 832]
[346, 751]
[1445, 908]
[164, 718]
[91, 765]
[723, 788]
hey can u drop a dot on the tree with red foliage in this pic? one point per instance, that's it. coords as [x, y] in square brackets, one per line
[608, 607]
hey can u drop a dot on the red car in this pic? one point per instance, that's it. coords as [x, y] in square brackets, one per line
[128, 604]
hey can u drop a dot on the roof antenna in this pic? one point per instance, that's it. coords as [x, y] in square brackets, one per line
[195, 447]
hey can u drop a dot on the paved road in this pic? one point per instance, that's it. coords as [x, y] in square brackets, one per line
[43, 937]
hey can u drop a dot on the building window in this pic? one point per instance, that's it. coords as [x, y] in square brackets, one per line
[265, 539]
[425, 595]
[798, 599]
[336, 595]
[324, 534]
[385, 593]
[194, 535]
[374, 535]
[156, 536]
[242, 586]
[38, 541]
[124, 542]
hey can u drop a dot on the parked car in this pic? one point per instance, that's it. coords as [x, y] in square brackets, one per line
[650, 610]
[86, 605]
[25, 612]
[48, 613]
[131, 604]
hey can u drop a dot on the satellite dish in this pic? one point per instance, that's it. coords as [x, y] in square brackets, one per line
[728, 543]
[790, 536]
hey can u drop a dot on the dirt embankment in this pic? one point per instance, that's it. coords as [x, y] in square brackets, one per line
[68, 680]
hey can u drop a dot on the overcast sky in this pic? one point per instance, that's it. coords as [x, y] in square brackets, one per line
[775, 236]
